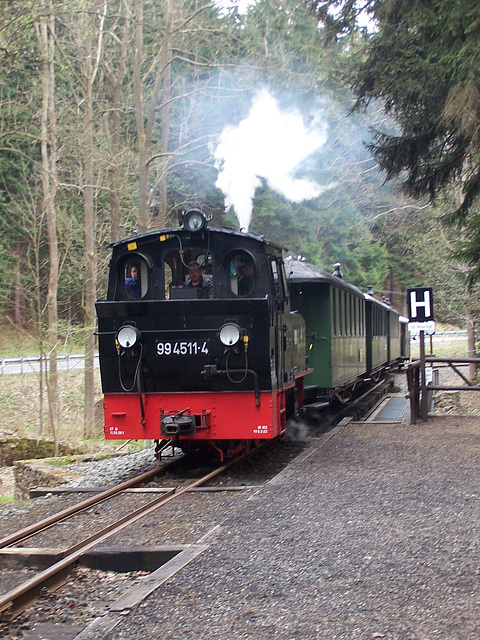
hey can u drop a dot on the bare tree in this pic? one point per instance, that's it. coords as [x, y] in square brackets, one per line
[93, 29]
[115, 71]
[46, 39]
[166, 68]
[152, 108]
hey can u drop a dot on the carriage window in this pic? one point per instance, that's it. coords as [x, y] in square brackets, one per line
[354, 316]
[338, 312]
[135, 277]
[349, 314]
[241, 273]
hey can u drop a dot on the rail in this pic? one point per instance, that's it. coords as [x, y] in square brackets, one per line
[15, 601]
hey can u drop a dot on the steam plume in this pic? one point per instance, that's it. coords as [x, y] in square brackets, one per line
[267, 144]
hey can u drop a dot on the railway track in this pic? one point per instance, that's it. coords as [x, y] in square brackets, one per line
[357, 407]
[15, 545]
[19, 598]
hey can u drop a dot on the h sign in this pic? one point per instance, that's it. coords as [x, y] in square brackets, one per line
[420, 304]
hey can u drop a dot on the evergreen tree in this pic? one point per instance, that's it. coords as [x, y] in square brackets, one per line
[422, 62]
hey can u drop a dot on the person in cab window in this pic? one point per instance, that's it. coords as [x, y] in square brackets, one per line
[245, 281]
[132, 283]
[198, 282]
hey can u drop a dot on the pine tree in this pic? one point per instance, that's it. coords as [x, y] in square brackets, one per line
[422, 62]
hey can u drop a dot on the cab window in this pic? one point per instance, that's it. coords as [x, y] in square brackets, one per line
[241, 272]
[135, 277]
[276, 277]
[279, 278]
[177, 270]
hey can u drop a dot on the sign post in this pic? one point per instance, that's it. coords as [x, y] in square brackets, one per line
[420, 303]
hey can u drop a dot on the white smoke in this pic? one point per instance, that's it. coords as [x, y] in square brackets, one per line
[270, 144]
[299, 431]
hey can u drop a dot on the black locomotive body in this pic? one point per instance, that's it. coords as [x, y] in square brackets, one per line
[218, 364]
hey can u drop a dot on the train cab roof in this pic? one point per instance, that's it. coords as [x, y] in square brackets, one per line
[385, 305]
[153, 236]
[381, 303]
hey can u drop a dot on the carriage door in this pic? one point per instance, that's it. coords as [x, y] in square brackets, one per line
[279, 305]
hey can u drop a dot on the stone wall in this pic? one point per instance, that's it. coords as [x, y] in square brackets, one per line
[39, 473]
[446, 402]
[12, 449]
[50, 472]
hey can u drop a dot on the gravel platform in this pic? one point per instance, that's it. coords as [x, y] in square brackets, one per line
[372, 533]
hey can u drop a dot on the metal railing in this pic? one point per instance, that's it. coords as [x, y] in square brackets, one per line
[446, 336]
[33, 364]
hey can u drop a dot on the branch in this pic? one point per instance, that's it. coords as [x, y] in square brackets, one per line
[185, 149]
[396, 209]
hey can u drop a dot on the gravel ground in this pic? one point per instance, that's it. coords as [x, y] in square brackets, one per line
[111, 471]
[375, 535]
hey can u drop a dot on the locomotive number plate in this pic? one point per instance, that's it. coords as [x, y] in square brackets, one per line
[183, 348]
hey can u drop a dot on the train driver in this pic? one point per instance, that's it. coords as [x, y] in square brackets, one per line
[196, 279]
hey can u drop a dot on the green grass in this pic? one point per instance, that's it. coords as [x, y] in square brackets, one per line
[440, 349]
[21, 412]
[6, 499]
[59, 462]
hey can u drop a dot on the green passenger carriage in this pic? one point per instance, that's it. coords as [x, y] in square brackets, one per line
[334, 313]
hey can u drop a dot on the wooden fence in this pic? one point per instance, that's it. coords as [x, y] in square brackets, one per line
[419, 390]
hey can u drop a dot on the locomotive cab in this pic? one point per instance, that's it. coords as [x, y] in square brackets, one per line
[196, 339]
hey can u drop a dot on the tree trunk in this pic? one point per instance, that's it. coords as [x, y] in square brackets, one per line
[145, 124]
[49, 182]
[89, 230]
[116, 82]
[90, 70]
[114, 167]
[141, 134]
[18, 299]
[165, 66]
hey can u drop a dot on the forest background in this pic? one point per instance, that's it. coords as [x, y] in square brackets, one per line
[115, 114]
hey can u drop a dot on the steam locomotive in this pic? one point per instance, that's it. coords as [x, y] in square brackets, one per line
[210, 339]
